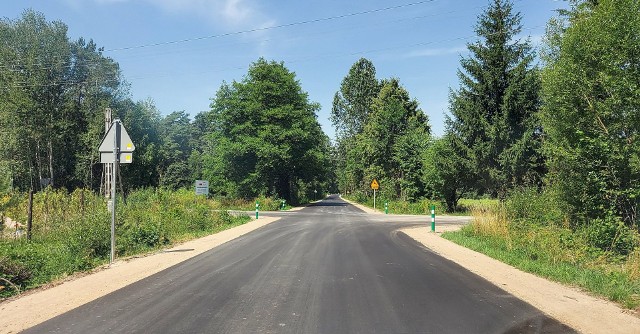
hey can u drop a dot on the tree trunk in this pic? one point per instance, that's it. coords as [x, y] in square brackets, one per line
[50, 163]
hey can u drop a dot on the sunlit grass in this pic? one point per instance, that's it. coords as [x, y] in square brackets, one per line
[553, 252]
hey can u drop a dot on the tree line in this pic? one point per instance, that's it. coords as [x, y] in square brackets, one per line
[261, 136]
[562, 120]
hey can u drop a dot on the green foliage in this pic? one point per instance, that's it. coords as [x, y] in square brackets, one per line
[265, 138]
[352, 103]
[531, 205]
[72, 233]
[543, 251]
[423, 206]
[382, 134]
[445, 172]
[494, 131]
[51, 98]
[611, 235]
[590, 115]
[528, 232]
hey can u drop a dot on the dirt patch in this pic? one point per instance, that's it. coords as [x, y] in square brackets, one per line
[571, 306]
[28, 310]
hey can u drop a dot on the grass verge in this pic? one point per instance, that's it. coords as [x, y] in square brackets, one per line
[71, 232]
[423, 207]
[556, 253]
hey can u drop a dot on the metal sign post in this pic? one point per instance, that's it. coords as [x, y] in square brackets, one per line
[116, 161]
[375, 186]
[116, 147]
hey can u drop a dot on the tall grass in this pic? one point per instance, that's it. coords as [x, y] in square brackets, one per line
[529, 233]
[423, 206]
[71, 232]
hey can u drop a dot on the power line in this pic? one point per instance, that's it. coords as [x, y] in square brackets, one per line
[330, 18]
[286, 25]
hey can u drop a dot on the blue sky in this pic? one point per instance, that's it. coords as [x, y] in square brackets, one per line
[178, 52]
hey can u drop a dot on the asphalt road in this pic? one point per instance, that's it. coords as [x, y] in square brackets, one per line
[329, 268]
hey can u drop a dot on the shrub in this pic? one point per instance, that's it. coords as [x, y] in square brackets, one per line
[13, 272]
[610, 234]
[149, 235]
[531, 205]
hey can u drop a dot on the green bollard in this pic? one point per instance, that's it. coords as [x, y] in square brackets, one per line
[283, 205]
[386, 208]
[433, 218]
[257, 208]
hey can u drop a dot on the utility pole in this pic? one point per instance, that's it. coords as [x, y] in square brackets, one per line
[107, 167]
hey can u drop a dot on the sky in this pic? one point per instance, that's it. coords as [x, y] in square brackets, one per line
[179, 52]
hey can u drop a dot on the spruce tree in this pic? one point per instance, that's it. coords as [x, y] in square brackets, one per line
[493, 121]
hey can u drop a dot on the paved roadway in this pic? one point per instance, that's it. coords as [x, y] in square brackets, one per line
[329, 268]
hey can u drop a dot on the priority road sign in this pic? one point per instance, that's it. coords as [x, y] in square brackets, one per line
[123, 140]
[107, 157]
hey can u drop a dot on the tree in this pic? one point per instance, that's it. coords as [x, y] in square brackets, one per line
[142, 121]
[493, 113]
[349, 114]
[446, 172]
[352, 103]
[591, 113]
[265, 137]
[51, 90]
[392, 141]
[176, 135]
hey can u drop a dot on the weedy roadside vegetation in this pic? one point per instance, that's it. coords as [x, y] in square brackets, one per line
[423, 206]
[530, 233]
[71, 232]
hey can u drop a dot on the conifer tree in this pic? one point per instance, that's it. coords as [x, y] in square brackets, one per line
[493, 119]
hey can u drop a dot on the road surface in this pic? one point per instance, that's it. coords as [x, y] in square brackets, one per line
[329, 268]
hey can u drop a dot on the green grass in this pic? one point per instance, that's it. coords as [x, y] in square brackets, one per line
[423, 207]
[541, 252]
[266, 204]
[71, 232]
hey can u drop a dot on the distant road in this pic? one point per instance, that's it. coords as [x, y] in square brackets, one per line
[329, 268]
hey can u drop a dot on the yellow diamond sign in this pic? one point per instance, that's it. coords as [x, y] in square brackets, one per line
[375, 185]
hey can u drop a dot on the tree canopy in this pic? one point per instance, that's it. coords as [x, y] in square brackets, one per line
[591, 113]
[493, 123]
[265, 138]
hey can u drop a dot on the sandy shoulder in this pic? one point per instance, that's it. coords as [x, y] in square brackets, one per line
[361, 207]
[577, 309]
[37, 307]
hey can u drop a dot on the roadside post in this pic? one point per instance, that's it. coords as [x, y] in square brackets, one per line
[257, 208]
[283, 205]
[386, 208]
[116, 148]
[433, 218]
[375, 186]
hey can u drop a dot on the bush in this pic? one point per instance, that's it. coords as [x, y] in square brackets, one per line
[610, 235]
[149, 235]
[72, 231]
[532, 206]
[15, 273]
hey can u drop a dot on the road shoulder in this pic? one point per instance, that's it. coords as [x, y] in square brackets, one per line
[39, 306]
[571, 306]
[361, 207]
